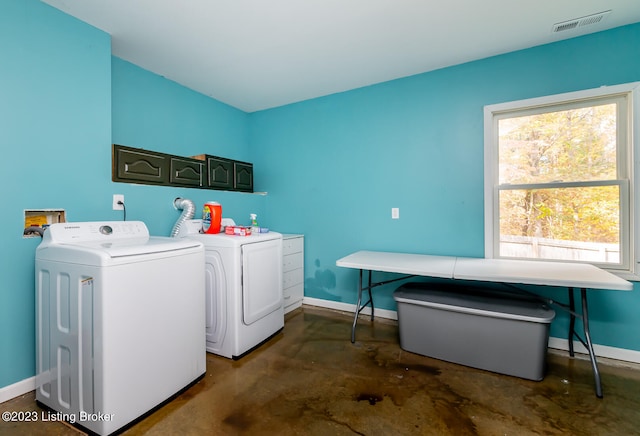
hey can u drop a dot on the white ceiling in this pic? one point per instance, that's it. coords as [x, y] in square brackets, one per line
[258, 54]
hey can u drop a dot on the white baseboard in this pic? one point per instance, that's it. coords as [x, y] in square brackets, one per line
[347, 307]
[556, 343]
[15, 390]
[605, 351]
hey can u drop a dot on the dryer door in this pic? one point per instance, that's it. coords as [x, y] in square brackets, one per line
[261, 279]
[216, 301]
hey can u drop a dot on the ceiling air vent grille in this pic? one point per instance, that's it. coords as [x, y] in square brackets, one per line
[581, 22]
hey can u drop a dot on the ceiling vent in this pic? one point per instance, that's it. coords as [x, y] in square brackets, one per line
[581, 22]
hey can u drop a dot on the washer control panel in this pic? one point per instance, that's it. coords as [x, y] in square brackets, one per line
[96, 231]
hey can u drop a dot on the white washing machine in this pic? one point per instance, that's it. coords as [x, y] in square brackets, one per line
[119, 321]
[244, 296]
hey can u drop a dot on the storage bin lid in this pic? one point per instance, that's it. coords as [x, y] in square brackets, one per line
[474, 301]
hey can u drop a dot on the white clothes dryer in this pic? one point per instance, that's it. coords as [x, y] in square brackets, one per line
[244, 298]
[119, 321]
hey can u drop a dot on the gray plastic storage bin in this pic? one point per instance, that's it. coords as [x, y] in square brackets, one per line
[475, 328]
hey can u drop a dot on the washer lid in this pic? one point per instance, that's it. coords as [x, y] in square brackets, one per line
[135, 247]
[99, 242]
[119, 252]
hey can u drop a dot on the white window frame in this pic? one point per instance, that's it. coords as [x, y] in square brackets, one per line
[630, 235]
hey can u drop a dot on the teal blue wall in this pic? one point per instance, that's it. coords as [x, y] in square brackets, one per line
[55, 130]
[156, 114]
[333, 166]
[338, 164]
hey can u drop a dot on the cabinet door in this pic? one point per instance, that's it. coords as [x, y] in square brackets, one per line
[220, 173]
[261, 280]
[243, 176]
[137, 165]
[187, 172]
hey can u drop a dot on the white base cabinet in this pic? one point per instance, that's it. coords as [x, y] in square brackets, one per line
[292, 271]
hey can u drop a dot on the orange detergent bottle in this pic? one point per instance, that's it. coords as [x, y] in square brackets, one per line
[211, 217]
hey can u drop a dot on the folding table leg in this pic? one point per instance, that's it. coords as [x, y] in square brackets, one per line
[370, 296]
[572, 321]
[587, 335]
[358, 308]
[589, 345]
[359, 305]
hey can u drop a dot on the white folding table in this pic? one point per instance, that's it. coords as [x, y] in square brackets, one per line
[525, 272]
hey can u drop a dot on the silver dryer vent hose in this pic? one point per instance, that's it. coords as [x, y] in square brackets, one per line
[188, 211]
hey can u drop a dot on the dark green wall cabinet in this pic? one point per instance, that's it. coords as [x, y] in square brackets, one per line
[242, 176]
[228, 174]
[139, 166]
[220, 172]
[187, 172]
[135, 165]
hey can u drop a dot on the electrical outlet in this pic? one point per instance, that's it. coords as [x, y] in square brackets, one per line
[116, 199]
[395, 213]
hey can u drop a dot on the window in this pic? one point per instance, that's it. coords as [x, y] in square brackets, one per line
[559, 178]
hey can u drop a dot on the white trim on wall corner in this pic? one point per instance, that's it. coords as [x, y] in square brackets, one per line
[15, 390]
[605, 351]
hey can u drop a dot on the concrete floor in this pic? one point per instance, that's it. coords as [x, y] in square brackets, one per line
[310, 380]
